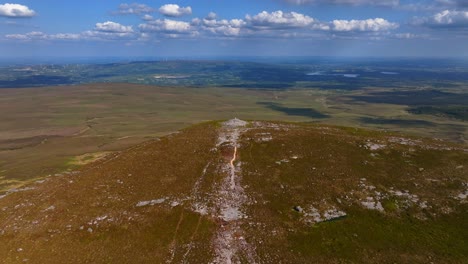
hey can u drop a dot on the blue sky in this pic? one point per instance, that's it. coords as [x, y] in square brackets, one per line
[429, 28]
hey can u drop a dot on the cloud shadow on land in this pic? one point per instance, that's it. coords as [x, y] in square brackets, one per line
[399, 122]
[294, 111]
[413, 98]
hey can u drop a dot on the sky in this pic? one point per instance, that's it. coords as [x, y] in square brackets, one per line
[223, 28]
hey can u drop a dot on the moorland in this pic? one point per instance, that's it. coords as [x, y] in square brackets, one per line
[58, 117]
[330, 161]
[249, 192]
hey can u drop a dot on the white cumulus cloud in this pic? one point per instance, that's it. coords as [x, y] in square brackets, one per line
[112, 27]
[279, 19]
[16, 10]
[222, 27]
[446, 18]
[277, 24]
[373, 24]
[172, 10]
[147, 17]
[166, 26]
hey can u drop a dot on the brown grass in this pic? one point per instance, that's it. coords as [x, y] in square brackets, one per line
[330, 164]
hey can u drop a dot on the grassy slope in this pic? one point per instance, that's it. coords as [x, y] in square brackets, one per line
[330, 164]
[112, 188]
[43, 130]
[329, 167]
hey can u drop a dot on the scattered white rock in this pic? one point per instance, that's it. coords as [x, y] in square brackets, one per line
[101, 218]
[200, 208]
[423, 205]
[282, 161]
[371, 204]
[263, 137]
[298, 209]
[233, 123]
[363, 185]
[333, 214]
[462, 196]
[313, 215]
[374, 146]
[151, 202]
[230, 213]
[50, 208]
[404, 141]
[405, 194]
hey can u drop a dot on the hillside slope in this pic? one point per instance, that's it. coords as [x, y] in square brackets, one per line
[249, 192]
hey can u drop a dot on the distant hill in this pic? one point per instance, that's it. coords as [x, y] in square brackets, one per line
[249, 192]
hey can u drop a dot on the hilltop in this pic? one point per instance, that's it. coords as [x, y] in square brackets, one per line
[249, 192]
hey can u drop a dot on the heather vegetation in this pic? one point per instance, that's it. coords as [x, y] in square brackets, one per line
[264, 192]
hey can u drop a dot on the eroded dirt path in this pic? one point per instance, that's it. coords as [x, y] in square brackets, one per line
[229, 244]
[233, 168]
